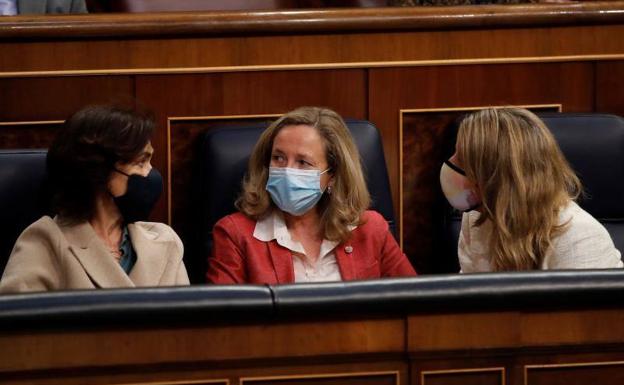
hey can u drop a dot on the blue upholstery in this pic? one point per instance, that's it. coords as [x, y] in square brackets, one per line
[224, 157]
[22, 198]
[593, 144]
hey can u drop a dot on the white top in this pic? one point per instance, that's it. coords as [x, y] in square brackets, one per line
[585, 244]
[8, 7]
[324, 269]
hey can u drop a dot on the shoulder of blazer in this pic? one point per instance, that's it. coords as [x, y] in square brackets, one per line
[157, 231]
[240, 221]
[45, 228]
[373, 222]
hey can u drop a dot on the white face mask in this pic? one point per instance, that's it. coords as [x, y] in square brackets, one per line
[457, 189]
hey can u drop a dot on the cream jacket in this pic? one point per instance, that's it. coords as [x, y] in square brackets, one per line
[585, 244]
[50, 256]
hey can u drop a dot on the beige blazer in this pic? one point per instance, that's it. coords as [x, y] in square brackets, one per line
[50, 256]
[584, 244]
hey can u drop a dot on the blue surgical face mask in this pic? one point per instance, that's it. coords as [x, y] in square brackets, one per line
[294, 191]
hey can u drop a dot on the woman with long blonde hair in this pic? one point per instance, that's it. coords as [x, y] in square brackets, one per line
[518, 195]
[303, 212]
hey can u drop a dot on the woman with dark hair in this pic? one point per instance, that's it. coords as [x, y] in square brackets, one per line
[103, 187]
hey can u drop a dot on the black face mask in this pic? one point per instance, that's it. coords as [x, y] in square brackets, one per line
[140, 197]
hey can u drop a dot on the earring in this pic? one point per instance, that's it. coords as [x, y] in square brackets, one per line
[329, 189]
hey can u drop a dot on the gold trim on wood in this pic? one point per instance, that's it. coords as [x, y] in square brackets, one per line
[568, 365]
[181, 382]
[403, 111]
[32, 123]
[196, 118]
[470, 370]
[314, 66]
[396, 373]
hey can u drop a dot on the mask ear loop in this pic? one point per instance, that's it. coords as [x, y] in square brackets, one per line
[455, 168]
[461, 172]
[121, 172]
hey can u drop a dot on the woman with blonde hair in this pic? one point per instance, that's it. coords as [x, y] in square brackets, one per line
[303, 211]
[518, 193]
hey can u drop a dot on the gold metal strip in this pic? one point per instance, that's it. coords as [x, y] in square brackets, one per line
[471, 370]
[33, 123]
[559, 107]
[292, 67]
[219, 381]
[196, 118]
[569, 365]
[396, 373]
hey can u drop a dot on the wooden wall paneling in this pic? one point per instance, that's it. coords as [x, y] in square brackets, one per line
[208, 344]
[394, 89]
[604, 373]
[55, 98]
[609, 86]
[219, 99]
[214, 52]
[28, 135]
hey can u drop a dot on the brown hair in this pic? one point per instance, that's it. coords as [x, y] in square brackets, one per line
[523, 179]
[349, 197]
[84, 152]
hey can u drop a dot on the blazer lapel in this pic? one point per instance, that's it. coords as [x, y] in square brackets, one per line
[345, 261]
[97, 262]
[152, 256]
[282, 263]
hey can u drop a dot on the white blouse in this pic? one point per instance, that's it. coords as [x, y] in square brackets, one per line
[585, 244]
[324, 269]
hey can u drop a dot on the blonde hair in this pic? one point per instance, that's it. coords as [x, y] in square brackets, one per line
[523, 179]
[349, 196]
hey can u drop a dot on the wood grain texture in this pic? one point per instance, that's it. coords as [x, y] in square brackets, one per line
[306, 21]
[609, 97]
[296, 51]
[214, 343]
[55, 98]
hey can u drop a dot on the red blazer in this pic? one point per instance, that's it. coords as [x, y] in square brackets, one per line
[238, 257]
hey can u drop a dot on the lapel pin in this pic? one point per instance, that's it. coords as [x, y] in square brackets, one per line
[348, 249]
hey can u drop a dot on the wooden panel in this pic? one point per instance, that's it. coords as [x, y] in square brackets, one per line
[231, 94]
[531, 329]
[396, 89]
[47, 98]
[308, 21]
[603, 373]
[609, 86]
[212, 343]
[478, 376]
[28, 135]
[324, 51]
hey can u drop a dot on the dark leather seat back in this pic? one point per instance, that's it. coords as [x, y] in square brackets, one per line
[22, 197]
[224, 157]
[593, 144]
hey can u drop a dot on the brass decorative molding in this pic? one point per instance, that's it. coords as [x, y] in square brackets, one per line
[425, 373]
[311, 66]
[396, 374]
[568, 365]
[224, 381]
[31, 123]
